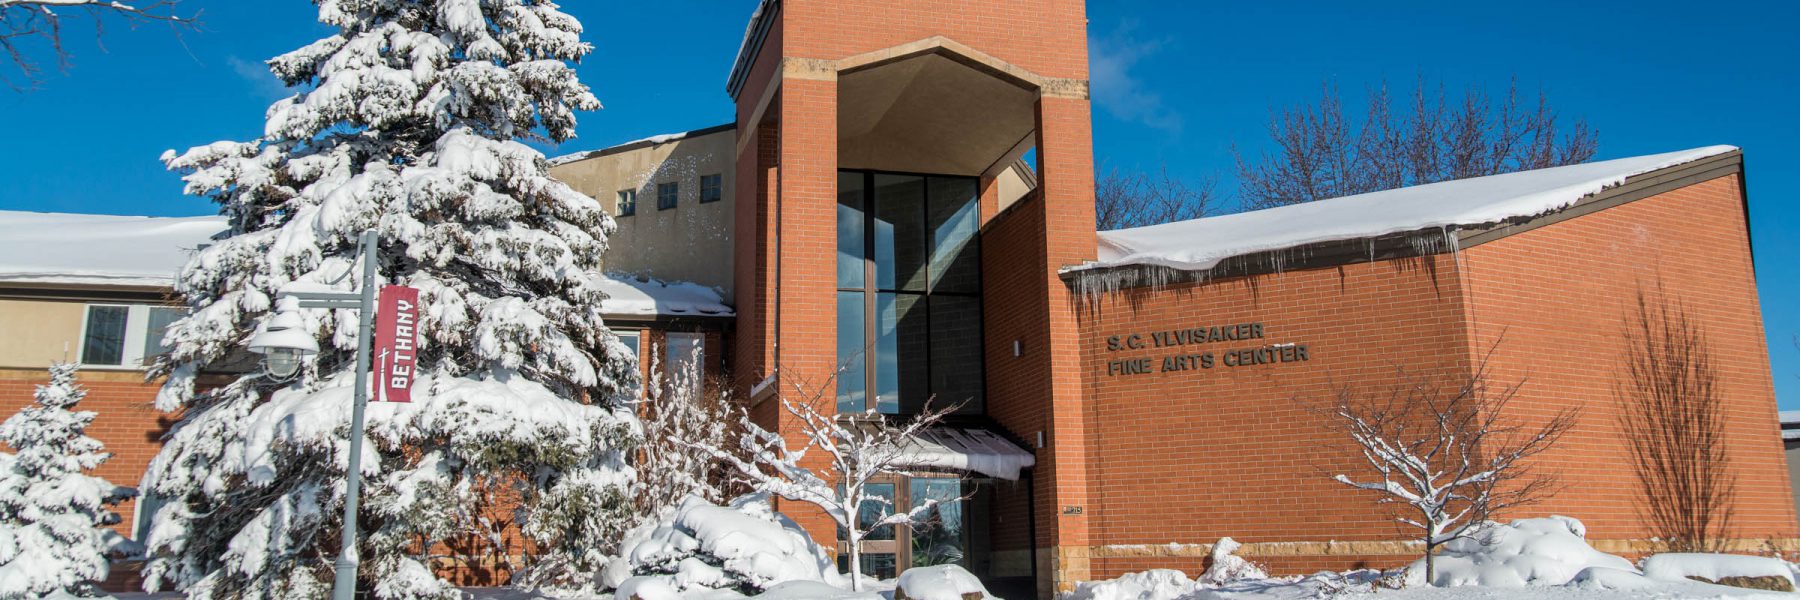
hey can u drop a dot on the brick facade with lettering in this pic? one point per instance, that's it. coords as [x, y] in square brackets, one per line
[1195, 454]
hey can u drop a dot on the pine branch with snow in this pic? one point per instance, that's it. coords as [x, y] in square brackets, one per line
[1447, 450]
[52, 513]
[861, 448]
[407, 120]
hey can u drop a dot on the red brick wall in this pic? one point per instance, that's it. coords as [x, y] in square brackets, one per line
[1561, 293]
[127, 424]
[1046, 37]
[1195, 455]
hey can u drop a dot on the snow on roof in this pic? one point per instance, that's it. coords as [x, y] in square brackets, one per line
[629, 295]
[99, 250]
[655, 140]
[976, 450]
[1200, 244]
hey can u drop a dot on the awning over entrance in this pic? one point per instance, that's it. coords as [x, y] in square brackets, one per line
[974, 450]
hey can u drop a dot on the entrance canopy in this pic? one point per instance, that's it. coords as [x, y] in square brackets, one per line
[973, 450]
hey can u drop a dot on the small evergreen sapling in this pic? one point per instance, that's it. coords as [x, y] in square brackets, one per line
[51, 511]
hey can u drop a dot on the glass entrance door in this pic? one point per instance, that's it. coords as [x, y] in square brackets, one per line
[940, 536]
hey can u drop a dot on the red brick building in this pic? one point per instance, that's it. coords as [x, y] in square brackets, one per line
[901, 210]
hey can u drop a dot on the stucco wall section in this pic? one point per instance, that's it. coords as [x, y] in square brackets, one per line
[39, 332]
[686, 243]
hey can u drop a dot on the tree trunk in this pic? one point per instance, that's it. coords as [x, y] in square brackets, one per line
[1430, 563]
[855, 563]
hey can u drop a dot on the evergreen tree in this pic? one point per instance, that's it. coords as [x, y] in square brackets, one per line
[406, 121]
[52, 513]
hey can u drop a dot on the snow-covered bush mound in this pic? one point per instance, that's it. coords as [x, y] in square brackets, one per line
[941, 582]
[1154, 584]
[1714, 567]
[1608, 578]
[1227, 566]
[1545, 551]
[745, 547]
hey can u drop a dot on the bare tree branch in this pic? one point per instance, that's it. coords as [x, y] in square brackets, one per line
[1447, 450]
[27, 22]
[1319, 153]
[1135, 199]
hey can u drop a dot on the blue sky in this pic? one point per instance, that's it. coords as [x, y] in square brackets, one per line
[1175, 85]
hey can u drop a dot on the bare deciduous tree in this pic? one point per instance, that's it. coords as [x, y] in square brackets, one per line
[1320, 153]
[862, 448]
[1448, 450]
[681, 410]
[1135, 199]
[27, 22]
[1674, 417]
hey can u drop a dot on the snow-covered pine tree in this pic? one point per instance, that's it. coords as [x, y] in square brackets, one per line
[407, 121]
[51, 511]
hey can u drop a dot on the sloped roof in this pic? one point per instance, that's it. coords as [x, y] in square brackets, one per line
[1200, 244]
[99, 250]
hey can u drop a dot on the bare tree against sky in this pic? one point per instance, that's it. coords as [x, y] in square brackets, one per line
[1124, 199]
[1674, 415]
[1320, 153]
[27, 23]
[1448, 449]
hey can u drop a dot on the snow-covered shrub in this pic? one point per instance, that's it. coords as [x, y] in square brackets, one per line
[407, 119]
[940, 582]
[1716, 568]
[745, 547]
[679, 412]
[1154, 584]
[1227, 566]
[1543, 551]
[51, 511]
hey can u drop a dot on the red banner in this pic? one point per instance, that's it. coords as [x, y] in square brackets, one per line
[396, 343]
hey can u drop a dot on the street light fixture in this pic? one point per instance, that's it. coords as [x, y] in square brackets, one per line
[283, 340]
[284, 343]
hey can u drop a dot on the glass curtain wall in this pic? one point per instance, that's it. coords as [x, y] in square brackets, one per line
[909, 292]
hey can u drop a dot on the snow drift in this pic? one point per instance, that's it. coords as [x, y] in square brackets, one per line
[1545, 551]
[745, 547]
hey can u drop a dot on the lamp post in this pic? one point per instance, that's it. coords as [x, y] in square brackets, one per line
[283, 343]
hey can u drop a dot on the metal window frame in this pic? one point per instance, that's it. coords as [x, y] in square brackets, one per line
[717, 188]
[674, 195]
[871, 289]
[627, 202]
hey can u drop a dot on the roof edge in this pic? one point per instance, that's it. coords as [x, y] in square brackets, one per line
[1406, 244]
[755, 33]
[639, 144]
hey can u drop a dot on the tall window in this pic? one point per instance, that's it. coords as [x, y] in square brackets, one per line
[686, 357]
[667, 194]
[909, 292]
[627, 203]
[712, 188]
[125, 335]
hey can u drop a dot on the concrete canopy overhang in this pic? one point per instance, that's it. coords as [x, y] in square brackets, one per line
[934, 110]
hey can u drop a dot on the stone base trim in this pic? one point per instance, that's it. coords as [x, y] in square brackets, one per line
[1394, 548]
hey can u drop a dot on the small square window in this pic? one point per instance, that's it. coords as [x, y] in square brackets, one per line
[711, 188]
[627, 203]
[667, 194]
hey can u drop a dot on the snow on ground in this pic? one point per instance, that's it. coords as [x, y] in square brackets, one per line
[1200, 244]
[63, 248]
[1677, 566]
[634, 295]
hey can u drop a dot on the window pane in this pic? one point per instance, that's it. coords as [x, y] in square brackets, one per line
[850, 230]
[900, 232]
[627, 202]
[160, 319]
[667, 194]
[901, 352]
[873, 510]
[711, 188]
[850, 383]
[955, 221]
[939, 536]
[956, 371]
[686, 355]
[105, 341]
[630, 339]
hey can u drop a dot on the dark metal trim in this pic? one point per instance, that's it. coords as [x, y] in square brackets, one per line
[80, 294]
[1401, 245]
[672, 322]
[752, 47]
